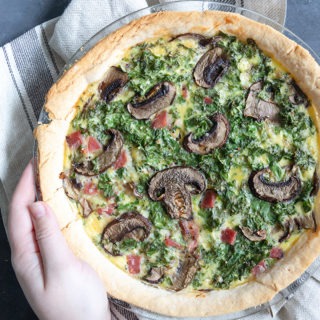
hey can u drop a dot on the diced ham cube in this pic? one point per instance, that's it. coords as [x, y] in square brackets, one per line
[171, 243]
[184, 91]
[133, 263]
[228, 236]
[207, 100]
[208, 199]
[74, 139]
[160, 120]
[90, 188]
[109, 209]
[259, 268]
[93, 145]
[121, 160]
[276, 253]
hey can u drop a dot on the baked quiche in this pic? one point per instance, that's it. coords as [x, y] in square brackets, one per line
[181, 161]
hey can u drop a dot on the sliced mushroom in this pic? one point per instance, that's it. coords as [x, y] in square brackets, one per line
[159, 97]
[190, 234]
[260, 109]
[114, 81]
[253, 235]
[215, 138]
[297, 96]
[189, 35]
[203, 41]
[298, 223]
[316, 184]
[106, 159]
[132, 189]
[130, 225]
[71, 187]
[210, 68]
[174, 187]
[273, 191]
[86, 207]
[155, 275]
[210, 41]
[185, 272]
[88, 105]
[306, 222]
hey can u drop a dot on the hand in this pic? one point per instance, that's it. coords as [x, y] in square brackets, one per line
[56, 283]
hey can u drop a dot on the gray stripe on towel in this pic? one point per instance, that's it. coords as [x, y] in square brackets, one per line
[33, 68]
[45, 39]
[17, 88]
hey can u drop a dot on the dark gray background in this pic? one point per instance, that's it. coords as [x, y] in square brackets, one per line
[18, 16]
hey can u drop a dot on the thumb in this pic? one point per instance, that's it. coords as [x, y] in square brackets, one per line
[54, 251]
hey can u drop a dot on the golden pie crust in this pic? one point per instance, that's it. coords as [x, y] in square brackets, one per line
[60, 104]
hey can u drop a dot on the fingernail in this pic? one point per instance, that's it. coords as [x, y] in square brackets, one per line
[37, 210]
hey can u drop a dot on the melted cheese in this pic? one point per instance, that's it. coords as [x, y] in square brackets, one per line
[67, 156]
[120, 262]
[95, 224]
[286, 245]
[239, 175]
[233, 221]
[278, 138]
[158, 50]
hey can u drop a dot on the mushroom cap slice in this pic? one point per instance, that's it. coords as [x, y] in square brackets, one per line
[203, 41]
[184, 273]
[210, 68]
[71, 187]
[298, 223]
[155, 275]
[253, 235]
[273, 191]
[131, 188]
[130, 225]
[174, 187]
[260, 109]
[316, 184]
[215, 138]
[112, 84]
[86, 207]
[210, 41]
[297, 96]
[106, 159]
[159, 97]
[189, 35]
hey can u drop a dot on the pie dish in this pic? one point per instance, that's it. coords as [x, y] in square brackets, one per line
[204, 38]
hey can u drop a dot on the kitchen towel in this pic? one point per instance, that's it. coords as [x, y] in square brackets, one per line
[82, 19]
[31, 63]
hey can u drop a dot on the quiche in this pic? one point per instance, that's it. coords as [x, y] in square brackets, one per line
[181, 161]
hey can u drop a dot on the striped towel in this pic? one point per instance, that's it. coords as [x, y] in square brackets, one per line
[28, 67]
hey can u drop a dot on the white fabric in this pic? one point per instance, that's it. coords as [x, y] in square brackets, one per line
[272, 9]
[27, 66]
[83, 19]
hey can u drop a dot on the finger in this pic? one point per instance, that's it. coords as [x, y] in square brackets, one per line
[53, 247]
[20, 229]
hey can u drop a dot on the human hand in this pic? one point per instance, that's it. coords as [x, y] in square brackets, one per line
[56, 283]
